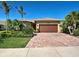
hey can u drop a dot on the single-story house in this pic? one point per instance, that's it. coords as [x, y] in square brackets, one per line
[45, 25]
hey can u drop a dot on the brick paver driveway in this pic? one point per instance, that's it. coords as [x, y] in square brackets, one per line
[53, 39]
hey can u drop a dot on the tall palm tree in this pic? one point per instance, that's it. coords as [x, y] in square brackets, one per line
[22, 13]
[6, 9]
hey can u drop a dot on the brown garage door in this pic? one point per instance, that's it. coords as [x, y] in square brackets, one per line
[48, 28]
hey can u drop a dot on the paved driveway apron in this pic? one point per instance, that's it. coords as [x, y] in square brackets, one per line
[52, 40]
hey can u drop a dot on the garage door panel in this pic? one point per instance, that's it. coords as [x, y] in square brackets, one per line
[48, 28]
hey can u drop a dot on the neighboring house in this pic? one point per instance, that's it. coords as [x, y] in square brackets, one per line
[1, 27]
[2, 23]
[46, 25]
[27, 21]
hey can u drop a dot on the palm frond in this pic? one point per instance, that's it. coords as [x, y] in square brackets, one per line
[5, 7]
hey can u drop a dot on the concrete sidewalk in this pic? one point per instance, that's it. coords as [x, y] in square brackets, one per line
[41, 52]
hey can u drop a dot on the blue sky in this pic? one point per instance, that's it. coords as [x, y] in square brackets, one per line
[42, 9]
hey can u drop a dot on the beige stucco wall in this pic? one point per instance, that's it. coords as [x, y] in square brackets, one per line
[59, 28]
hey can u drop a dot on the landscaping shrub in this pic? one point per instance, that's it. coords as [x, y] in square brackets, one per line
[76, 32]
[28, 30]
[11, 33]
[18, 34]
[5, 34]
[65, 30]
[1, 40]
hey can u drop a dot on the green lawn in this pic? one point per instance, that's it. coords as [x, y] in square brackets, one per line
[14, 42]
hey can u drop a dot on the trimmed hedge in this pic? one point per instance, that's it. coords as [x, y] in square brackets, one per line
[24, 33]
[65, 30]
[76, 32]
[5, 34]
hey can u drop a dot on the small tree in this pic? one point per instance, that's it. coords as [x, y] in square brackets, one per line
[9, 24]
[15, 24]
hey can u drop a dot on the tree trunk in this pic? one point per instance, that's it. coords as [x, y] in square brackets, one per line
[6, 23]
[7, 17]
[22, 21]
[69, 28]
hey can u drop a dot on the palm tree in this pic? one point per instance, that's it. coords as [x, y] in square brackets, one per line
[70, 21]
[67, 23]
[74, 18]
[6, 9]
[21, 12]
